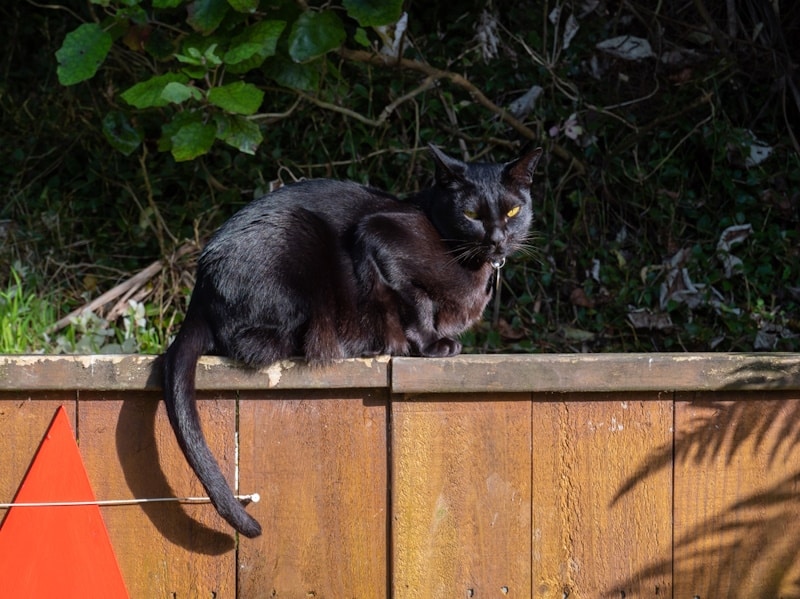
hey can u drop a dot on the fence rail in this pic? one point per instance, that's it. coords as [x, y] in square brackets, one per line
[548, 476]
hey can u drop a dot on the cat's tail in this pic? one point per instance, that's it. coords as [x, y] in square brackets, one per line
[180, 362]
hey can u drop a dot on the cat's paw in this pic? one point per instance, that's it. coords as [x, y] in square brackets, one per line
[442, 348]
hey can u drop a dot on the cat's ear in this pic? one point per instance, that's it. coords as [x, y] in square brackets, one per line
[449, 171]
[520, 171]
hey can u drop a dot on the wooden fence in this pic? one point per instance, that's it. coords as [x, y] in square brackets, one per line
[547, 476]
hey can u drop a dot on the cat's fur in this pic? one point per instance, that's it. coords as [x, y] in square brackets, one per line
[327, 269]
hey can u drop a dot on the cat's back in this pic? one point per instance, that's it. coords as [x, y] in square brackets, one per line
[341, 203]
[298, 218]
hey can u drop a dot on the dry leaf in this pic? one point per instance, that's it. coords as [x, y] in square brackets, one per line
[578, 297]
[508, 332]
[573, 334]
[644, 319]
[570, 31]
[730, 237]
[627, 47]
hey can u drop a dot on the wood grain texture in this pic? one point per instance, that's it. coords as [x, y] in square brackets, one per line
[499, 485]
[595, 373]
[461, 496]
[24, 420]
[125, 372]
[163, 549]
[737, 495]
[319, 462]
[591, 538]
[460, 374]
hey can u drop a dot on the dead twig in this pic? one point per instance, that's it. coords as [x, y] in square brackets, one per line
[126, 290]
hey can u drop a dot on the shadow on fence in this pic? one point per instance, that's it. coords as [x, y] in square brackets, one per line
[749, 544]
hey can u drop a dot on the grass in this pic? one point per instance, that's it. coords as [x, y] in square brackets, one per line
[24, 316]
[27, 318]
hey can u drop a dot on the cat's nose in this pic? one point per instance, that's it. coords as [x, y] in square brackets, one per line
[497, 237]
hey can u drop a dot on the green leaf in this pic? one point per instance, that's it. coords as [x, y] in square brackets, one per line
[192, 140]
[171, 127]
[200, 53]
[290, 74]
[194, 72]
[251, 47]
[244, 5]
[238, 97]
[167, 3]
[82, 53]
[177, 92]
[133, 13]
[210, 56]
[315, 34]
[360, 37]
[206, 15]
[148, 94]
[373, 13]
[239, 132]
[159, 45]
[119, 132]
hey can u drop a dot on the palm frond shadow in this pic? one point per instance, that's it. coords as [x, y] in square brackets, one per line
[750, 549]
[722, 429]
[751, 546]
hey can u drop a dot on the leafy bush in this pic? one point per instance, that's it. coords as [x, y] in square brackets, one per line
[212, 63]
[669, 210]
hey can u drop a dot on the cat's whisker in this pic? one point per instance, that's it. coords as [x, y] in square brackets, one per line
[455, 255]
[531, 252]
[460, 257]
[465, 252]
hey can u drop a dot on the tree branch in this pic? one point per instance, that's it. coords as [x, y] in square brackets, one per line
[435, 74]
[385, 113]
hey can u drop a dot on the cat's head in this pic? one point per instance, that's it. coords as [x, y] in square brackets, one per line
[483, 210]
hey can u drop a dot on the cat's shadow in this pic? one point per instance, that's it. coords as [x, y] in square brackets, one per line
[138, 455]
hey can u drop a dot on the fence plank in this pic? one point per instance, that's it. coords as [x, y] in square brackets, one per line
[461, 496]
[164, 549]
[319, 461]
[737, 495]
[591, 537]
[596, 372]
[24, 419]
[130, 371]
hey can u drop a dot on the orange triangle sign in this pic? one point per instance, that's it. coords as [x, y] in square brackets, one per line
[59, 551]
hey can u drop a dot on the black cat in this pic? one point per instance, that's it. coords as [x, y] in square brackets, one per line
[327, 269]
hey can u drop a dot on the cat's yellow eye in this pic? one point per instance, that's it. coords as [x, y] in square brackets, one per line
[471, 214]
[513, 212]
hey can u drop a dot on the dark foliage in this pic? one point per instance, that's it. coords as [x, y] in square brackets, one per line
[654, 168]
